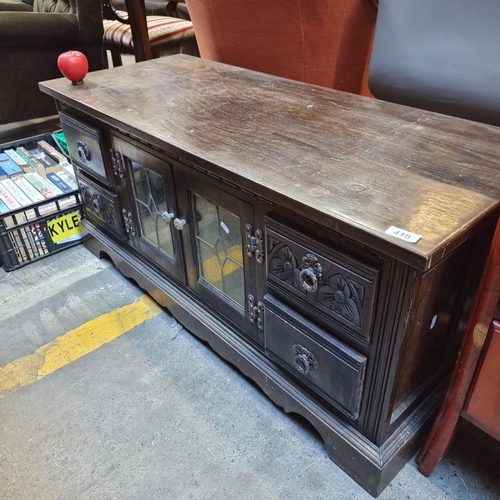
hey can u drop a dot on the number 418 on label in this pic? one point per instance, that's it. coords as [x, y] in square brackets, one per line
[403, 235]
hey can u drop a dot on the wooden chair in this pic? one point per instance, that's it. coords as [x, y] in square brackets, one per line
[172, 8]
[133, 32]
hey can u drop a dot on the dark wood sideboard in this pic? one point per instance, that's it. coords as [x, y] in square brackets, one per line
[255, 209]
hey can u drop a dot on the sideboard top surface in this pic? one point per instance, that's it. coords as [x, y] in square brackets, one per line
[355, 164]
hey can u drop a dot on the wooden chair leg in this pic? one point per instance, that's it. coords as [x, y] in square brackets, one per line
[445, 426]
[116, 57]
[105, 62]
[139, 28]
[190, 48]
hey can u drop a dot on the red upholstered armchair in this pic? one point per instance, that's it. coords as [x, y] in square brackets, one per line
[324, 42]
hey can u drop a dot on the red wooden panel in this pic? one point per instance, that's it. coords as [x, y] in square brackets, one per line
[484, 405]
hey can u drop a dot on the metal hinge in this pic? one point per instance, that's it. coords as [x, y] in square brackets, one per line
[128, 220]
[254, 243]
[118, 166]
[256, 312]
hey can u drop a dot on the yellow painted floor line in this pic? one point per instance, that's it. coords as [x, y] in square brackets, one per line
[75, 344]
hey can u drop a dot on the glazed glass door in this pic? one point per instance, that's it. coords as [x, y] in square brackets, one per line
[219, 268]
[150, 212]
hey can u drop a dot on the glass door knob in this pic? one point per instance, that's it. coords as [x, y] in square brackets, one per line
[179, 223]
[167, 217]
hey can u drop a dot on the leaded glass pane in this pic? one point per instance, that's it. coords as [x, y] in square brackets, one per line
[165, 238]
[206, 217]
[220, 252]
[151, 204]
[140, 182]
[233, 281]
[230, 234]
[210, 268]
[157, 191]
[220, 249]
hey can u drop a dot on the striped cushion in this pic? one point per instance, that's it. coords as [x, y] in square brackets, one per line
[161, 29]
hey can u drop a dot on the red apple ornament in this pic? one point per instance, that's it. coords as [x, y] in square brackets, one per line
[73, 65]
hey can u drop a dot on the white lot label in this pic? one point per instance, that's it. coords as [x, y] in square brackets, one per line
[226, 229]
[403, 235]
[433, 322]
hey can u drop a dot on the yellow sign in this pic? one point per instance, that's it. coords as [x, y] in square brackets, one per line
[64, 227]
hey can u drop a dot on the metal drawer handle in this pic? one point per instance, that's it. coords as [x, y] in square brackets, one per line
[304, 360]
[96, 203]
[311, 273]
[308, 280]
[83, 151]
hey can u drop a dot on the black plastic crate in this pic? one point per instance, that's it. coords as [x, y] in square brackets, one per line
[26, 236]
[40, 229]
[31, 142]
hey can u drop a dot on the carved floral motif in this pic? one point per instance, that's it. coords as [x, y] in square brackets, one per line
[342, 296]
[336, 295]
[284, 266]
[96, 205]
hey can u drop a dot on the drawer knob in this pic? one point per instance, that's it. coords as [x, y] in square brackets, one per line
[304, 360]
[311, 273]
[179, 224]
[83, 151]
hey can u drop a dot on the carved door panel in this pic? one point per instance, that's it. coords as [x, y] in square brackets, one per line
[221, 261]
[150, 210]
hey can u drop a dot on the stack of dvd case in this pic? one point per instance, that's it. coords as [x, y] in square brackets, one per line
[40, 206]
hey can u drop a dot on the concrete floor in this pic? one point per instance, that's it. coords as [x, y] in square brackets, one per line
[156, 414]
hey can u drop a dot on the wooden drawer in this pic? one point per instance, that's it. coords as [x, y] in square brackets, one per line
[329, 283]
[86, 147]
[322, 362]
[101, 206]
